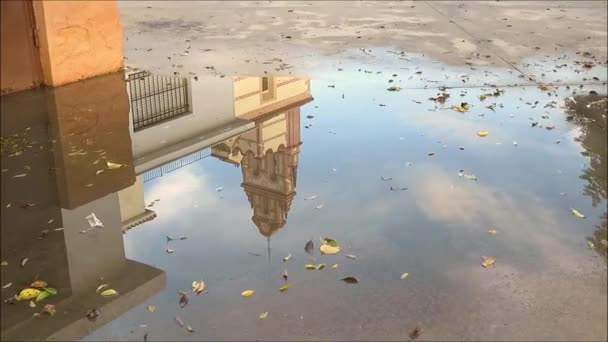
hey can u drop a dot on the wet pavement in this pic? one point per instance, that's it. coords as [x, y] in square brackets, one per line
[220, 178]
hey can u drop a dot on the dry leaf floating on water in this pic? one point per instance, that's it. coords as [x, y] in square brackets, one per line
[263, 315]
[109, 293]
[350, 280]
[309, 247]
[483, 133]
[284, 288]
[492, 232]
[183, 299]
[487, 262]
[404, 275]
[287, 257]
[577, 213]
[151, 308]
[310, 267]
[247, 293]
[198, 286]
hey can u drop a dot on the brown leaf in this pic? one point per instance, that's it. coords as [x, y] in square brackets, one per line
[350, 280]
[309, 247]
[183, 299]
[414, 334]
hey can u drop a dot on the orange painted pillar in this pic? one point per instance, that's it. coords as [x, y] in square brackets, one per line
[77, 39]
[55, 42]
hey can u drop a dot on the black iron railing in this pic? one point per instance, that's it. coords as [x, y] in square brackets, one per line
[156, 98]
[176, 164]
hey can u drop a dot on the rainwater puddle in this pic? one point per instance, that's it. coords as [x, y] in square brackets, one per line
[219, 179]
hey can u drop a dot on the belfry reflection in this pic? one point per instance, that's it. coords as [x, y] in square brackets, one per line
[268, 153]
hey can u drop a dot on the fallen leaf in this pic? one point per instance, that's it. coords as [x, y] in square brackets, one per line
[334, 266]
[42, 296]
[151, 308]
[50, 290]
[350, 280]
[32, 304]
[310, 198]
[404, 275]
[492, 232]
[463, 107]
[189, 328]
[27, 294]
[92, 314]
[4, 263]
[414, 333]
[284, 288]
[198, 286]
[20, 175]
[310, 267]
[577, 213]
[320, 267]
[330, 241]
[247, 293]
[49, 309]
[320, 206]
[590, 244]
[38, 284]
[111, 165]
[169, 250]
[179, 321]
[101, 287]
[7, 285]
[24, 261]
[263, 315]
[487, 262]
[183, 299]
[394, 88]
[483, 133]
[285, 274]
[287, 257]
[350, 256]
[327, 249]
[109, 293]
[309, 247]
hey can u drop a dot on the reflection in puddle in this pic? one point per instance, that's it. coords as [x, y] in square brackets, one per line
[165, 155]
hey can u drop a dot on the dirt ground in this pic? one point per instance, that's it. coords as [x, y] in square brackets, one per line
[300, 36]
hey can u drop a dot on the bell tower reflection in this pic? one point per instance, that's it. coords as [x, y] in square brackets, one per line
[268, 154]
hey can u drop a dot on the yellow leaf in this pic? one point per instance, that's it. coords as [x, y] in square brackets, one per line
[309, 266]
[488, 262]
[101, 287]
[264, 315]
[27, 294]
[461, 108]
[109, 293]
[198, 286]
[287, 257]
[247, 293]
[327, 249]
[189, 328]
[334, 266]
[111, 165]
[320, 267]
[404, 275]
[492, 232]
[482, 97]
[151, 308]
[284, 288]
[577, 213]
[483, 133]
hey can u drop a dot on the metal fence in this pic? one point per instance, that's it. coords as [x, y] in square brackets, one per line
[156, 98]
[176, 164]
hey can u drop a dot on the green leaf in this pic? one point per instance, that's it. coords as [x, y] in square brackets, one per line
[284, 288]
[43, 295]
[50, 290]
